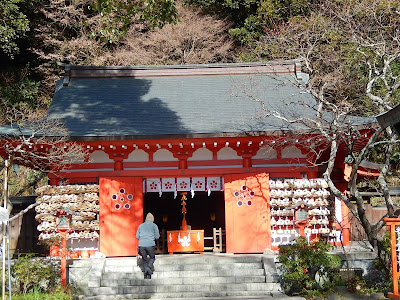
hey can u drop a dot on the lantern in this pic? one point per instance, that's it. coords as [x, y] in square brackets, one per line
[63, 221]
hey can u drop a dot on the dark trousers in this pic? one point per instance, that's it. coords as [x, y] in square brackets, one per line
[149, 256]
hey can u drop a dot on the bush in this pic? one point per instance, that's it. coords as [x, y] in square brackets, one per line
[35, 272]
[361, 285]
[35, 294]
[308, 267]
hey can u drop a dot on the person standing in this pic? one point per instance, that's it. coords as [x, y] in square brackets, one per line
[147, 233]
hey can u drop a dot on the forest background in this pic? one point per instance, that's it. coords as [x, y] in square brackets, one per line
[36, 35]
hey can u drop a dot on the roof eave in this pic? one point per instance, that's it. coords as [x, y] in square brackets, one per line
[181, 136]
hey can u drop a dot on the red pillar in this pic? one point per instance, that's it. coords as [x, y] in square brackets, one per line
[247, 161]
[118, 164]
[64, 258]
[345, 224]
[183, 163]
[392, 222]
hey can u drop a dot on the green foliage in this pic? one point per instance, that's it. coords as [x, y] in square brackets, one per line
[24, 182]
[383, 262]
[341, 41]
[158, 12]
[362, 286]
[118, 15]
[247, 57]
[301, 264]
[34, 272]
[253, 16]
[36, 294]
[13, 26]
[249, 32]
[278, 11]
[19, 91]
[243, 13]
[377, 154]
[395, 158]
[72, 31]
[356, 284]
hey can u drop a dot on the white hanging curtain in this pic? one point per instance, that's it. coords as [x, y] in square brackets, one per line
[153, 185]
[168, 184]
[183, 184]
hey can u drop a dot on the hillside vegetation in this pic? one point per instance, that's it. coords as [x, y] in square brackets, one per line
[350, 48]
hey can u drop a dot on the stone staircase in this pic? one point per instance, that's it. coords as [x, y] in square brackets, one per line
[184, 276]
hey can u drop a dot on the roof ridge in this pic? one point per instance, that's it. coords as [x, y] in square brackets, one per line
[275, 67]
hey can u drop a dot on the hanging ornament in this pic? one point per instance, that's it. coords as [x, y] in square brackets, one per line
[191, 188]
[183, 203]
[175, 190]
[208, 188]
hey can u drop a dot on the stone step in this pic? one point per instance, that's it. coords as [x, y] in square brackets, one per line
[176, 281]
[188, 259]
[184, 276]
[203, 287]
[191, 274]
[184, 267]
[207, 258]
[184, 295]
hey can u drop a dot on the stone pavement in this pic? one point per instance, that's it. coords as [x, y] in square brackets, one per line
[278, 297]
[340, 294]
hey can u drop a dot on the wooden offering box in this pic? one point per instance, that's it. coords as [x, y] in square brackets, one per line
[185, 241]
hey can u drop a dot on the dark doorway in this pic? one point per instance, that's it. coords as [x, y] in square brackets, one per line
[203, 211]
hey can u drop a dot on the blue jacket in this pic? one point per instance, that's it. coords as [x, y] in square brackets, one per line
[147, 233]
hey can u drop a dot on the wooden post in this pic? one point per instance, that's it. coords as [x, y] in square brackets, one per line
[5, 199]
[4, 264]
[301, 225]
[393, 222]
[63, 221]
[63, 258]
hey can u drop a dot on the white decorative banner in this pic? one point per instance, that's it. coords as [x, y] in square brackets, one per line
[214, 183]
[168, 184]
[153, 185]
[192, 184]
[198, 184]
[183, 184]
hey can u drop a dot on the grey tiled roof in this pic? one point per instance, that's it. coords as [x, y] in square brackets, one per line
[194, 103]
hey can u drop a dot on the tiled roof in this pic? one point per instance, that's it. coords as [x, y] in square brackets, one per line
[179, 100]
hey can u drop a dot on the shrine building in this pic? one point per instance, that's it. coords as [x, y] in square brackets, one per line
[154, 133]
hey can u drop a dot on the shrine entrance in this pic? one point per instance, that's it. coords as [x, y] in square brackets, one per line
[241, 210]
[204, 211]
[187, 210]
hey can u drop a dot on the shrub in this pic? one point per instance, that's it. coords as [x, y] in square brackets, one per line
[35, 272]
[35, 294]
[364, 286]
[307, 266]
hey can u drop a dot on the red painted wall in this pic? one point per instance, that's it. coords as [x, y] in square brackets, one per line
[121, 213]
[247, 215]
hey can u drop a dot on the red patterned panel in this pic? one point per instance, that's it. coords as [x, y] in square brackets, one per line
[121, 213]
[247, 213]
